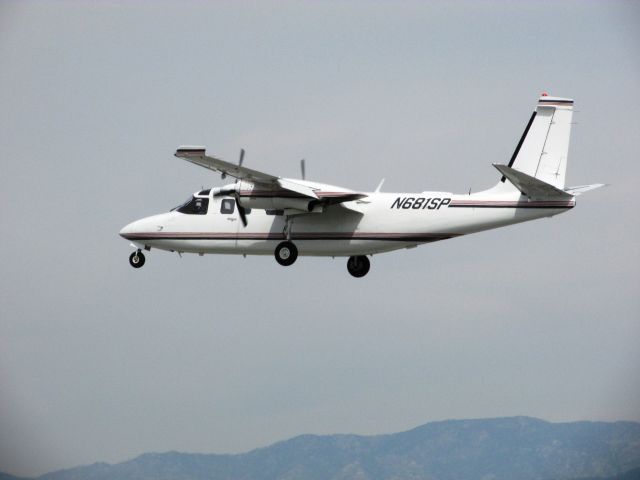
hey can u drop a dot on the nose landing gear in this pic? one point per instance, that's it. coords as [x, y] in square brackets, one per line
[286, 253]
[358, 266]
[136, 259]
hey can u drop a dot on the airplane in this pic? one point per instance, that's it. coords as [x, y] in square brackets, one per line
[264, 214]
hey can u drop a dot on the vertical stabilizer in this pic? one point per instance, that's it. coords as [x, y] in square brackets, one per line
[542, 150]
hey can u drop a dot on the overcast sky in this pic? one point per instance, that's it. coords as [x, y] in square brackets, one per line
[101, 362]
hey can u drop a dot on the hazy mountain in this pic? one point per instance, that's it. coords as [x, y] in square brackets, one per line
[494, 449]
[6, 476]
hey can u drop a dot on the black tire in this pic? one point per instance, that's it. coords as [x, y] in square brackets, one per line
[286, 253]
[136, 259]
[358, 266]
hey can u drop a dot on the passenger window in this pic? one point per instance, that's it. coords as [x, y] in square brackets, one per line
[227, 205]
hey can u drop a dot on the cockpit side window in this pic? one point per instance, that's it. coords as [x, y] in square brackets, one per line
[195, 206]
[228, 205]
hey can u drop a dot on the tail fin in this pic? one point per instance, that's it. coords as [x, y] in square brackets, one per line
[542, 150]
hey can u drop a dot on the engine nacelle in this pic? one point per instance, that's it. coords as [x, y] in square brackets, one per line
[276, 203]
[271, 197]
[225, 190]
[265, 197]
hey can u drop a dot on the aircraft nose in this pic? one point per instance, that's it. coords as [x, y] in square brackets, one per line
[143, 226]
[128, 230]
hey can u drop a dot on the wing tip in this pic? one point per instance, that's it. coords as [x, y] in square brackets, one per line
[190, 151]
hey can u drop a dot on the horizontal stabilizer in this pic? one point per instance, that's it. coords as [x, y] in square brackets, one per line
[575, 191]
[532, 187]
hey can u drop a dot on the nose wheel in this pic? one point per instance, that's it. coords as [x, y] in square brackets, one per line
[136, 259]
[286, 253]
[358, 266]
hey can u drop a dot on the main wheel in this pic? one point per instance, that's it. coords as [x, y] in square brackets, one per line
[136, 259]
[286, 253]
[358, 266]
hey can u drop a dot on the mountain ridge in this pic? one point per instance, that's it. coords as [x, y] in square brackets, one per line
[501, 448]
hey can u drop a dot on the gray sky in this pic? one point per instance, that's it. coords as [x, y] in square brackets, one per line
[99, 362]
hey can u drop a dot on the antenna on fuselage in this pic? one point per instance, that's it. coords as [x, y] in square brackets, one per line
[302, 169]
[377, 190]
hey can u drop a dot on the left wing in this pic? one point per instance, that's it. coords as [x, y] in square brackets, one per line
[198, 156]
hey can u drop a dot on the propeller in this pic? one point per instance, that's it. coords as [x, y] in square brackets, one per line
[241, 210]
[302, 168]
[234, 191]
[224, 175]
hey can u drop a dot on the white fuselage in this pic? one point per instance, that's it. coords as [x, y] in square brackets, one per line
[291, 217]
[381, 222]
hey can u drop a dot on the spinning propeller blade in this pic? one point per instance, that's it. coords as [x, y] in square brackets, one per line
[224, 175]
[241, 210]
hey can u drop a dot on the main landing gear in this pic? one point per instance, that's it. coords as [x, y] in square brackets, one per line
[286, 253]
[358, 266]
[136, 259]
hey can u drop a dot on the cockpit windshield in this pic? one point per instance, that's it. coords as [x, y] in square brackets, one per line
[194, 206]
